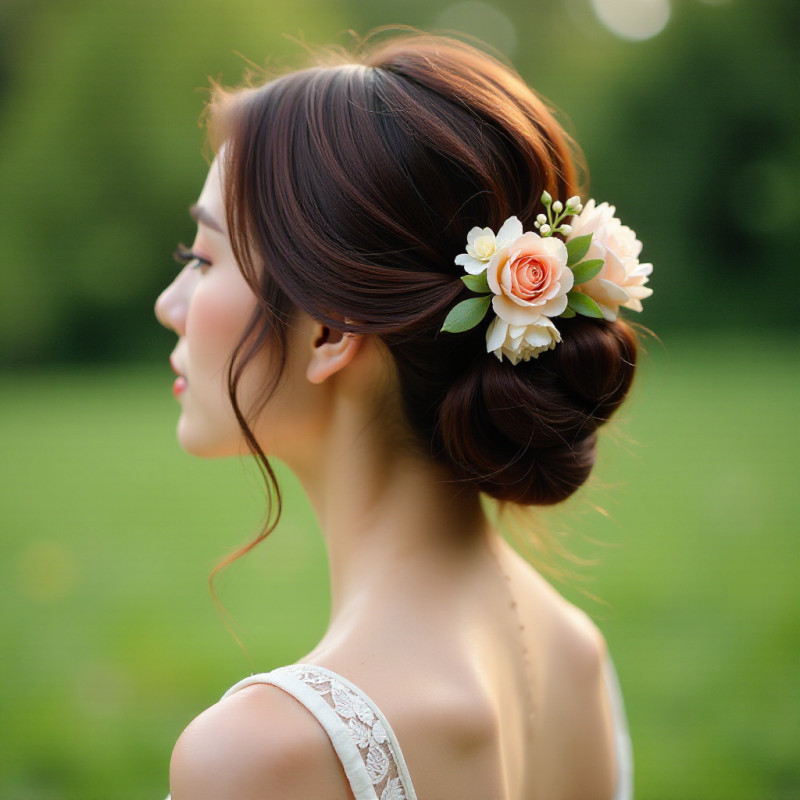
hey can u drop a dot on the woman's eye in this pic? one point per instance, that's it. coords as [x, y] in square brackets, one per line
[188, 258]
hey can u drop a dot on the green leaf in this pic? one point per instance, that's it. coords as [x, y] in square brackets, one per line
[567, 313]
[583, 304]
[577, 248]
[586, 270]
[477, 283]
[467, 314]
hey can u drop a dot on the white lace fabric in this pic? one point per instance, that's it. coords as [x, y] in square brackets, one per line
[359, 732]
[368, 730]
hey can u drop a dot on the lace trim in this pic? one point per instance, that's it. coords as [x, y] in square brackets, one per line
[366, 726]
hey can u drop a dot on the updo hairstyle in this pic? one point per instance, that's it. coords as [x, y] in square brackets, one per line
[350, 187]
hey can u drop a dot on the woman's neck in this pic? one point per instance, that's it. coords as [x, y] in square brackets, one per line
[397, 526]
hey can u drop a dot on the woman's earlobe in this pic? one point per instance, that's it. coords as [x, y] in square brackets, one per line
[331, 351]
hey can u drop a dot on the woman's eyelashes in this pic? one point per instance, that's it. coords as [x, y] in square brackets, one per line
[188, 258]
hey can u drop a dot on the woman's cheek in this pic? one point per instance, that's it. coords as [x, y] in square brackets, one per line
[217, 319]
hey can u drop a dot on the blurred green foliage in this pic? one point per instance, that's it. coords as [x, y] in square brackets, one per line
[111, 642]
[693, 134]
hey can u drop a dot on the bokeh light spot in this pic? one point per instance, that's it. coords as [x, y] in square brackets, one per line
[633, 19]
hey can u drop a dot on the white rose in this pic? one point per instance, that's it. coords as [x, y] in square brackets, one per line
[521, 342]
[621, 280]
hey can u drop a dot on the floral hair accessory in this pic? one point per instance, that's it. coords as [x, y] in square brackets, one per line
[531, 278]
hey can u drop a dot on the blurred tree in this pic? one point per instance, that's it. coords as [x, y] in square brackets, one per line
[100, 157]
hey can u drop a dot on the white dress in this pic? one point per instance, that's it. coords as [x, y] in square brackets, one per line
[365, 743]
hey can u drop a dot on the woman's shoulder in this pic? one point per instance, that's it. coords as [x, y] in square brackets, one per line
[566, 632]
[255, 744]
[579, 639]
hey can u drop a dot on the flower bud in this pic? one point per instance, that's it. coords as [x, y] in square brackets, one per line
[541, 219]
[545, 230]
[565, 229]
[557, 207]
[547, 198]
[573, 201]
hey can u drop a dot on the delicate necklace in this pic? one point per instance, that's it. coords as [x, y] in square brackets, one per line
[526, 656]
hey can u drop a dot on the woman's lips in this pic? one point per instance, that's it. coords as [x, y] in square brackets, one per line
[180, 382]
[179, 386]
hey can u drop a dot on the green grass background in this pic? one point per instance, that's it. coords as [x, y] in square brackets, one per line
[111, 643]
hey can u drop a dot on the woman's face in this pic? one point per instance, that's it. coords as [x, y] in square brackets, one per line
[208, 305]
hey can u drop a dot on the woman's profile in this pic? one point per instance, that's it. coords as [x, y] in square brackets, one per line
[396, 290]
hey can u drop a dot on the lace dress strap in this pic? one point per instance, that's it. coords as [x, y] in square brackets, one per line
[624, 790]
[362, 738]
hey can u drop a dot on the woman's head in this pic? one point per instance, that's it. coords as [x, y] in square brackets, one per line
[349, 189]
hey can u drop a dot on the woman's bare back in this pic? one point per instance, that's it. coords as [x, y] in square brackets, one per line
[510, 702]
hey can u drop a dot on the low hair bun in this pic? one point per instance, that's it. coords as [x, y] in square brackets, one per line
[526, 433]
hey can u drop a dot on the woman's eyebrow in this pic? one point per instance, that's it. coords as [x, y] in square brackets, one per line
[201, 215]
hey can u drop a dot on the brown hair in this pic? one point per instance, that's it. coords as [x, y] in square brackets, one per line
[350, 187]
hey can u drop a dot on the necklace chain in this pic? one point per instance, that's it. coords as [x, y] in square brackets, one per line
[526, 656]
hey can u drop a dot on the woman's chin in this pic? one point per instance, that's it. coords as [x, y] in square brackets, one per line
[202, 443]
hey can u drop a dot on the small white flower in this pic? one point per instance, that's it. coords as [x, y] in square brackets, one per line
[482, 244]
[545, 229]
[541, 219]
[557, 207]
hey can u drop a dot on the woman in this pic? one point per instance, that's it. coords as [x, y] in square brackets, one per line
[323, 320]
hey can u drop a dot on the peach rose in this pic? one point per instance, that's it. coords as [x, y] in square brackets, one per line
[621, 280]
[521, 342]
[530, 278]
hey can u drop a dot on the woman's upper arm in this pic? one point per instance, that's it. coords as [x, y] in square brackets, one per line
[257, 744]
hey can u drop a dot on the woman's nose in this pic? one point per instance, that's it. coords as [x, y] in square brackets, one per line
[171, 306]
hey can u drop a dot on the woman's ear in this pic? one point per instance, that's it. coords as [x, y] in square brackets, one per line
[331, 350]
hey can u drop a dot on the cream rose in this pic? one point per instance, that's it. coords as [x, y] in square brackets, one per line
[529, 278]
[521, 342]
[621, 280]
